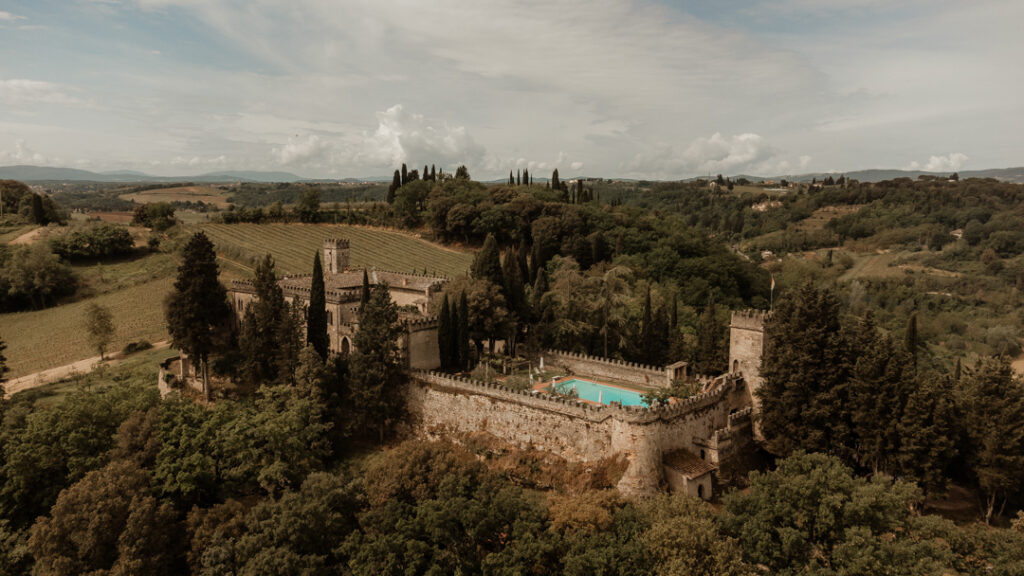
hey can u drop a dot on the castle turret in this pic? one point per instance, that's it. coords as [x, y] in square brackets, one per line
[746, 344]
[336, 253]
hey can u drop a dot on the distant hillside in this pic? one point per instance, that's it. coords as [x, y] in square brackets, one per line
[876, 175]
[49, 173]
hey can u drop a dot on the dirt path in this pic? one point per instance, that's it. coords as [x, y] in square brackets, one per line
[51, 375]
[28, 237]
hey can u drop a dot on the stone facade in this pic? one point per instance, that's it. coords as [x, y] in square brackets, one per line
[411, 292]
[746, 344]
[441, 405]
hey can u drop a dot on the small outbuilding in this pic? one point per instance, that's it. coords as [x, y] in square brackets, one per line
[688, 474]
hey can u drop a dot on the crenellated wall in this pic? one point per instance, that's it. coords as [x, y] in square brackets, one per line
[617, 370]
[440, 405]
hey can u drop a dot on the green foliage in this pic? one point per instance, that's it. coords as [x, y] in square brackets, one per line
[487, 264]
[261, 328]
[308, 206]
[804, 371]
[198, 307]
[108, 521]
[99, 323]
[811, 511]
[94, 243]
[33, 277]
[44, 451]
[377, 375]
[992, 400]
[684, 539]
[156, 215]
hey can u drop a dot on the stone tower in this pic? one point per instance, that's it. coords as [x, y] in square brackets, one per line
[746, 343]
[335, 255]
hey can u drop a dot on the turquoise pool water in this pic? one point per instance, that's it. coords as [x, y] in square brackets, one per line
[587, 390]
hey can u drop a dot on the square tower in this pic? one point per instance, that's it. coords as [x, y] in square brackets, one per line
[336, 255]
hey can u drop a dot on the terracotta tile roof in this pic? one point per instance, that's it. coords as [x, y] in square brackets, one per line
[687, 464]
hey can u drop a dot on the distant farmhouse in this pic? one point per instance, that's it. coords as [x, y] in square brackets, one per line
[412, 293]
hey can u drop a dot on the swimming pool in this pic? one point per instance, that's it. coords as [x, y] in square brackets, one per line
[594, 392]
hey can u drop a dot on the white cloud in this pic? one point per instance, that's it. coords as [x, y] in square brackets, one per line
[715, 154]
[412, 138]
[8, 17]
[22, 91]
[949, 163]
[303, 151]
[23, 154]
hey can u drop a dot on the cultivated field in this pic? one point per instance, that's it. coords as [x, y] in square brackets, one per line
[206, 194]
[56, 336]
[293, 246]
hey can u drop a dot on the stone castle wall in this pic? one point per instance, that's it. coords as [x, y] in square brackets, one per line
[441, 405]
[617, 370]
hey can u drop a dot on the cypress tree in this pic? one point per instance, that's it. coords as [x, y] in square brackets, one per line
[910, 339]
[455, 361]
[487, 264]
[646, 333]
[511, 179]
[364, 295]
[396, 183]
[710, 359]
[519, 178]
[376, 365]
[38, 214]
[289, 343]
[515, 295]
[523, 261]
[316, 317]
[433, 173]
[554, 179]
[444, 337]
[463, 332]
[426, 173]
[673, 320]
[405, 175]
[928, 436]
[526, 177]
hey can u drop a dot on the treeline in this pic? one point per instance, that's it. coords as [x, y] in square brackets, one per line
[259, 195]
[848, 389]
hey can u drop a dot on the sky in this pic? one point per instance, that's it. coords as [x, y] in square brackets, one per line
[613, 88]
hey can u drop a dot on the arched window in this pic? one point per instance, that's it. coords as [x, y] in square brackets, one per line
[735, 366]
[700, 491]
[346, 347]
[702, 454]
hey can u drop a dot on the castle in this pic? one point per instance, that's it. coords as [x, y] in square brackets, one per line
[684, 446]
[412, 293]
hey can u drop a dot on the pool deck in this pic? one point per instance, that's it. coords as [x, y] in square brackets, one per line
[543, 386]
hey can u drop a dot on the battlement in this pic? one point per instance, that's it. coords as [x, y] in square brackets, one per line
[421, 323]
[749, 319]
[607, 361]
[336, 242]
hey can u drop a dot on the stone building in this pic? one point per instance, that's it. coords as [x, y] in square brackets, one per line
[412, 293]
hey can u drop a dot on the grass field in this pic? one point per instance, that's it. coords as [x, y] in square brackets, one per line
[206, 194]
[293, 246]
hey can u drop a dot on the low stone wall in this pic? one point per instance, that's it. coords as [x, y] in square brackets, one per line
[164, 376]
[441, 405]
[618, 370]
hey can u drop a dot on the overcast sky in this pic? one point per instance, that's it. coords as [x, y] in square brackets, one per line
[669, 89]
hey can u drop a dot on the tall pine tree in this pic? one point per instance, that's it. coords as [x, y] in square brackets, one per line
[316, 317]
[554, 180]
[376, 365]
[198, 306]
[396, 183]
[487, 264]
[463, 332]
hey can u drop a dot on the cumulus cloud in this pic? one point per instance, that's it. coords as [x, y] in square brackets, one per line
[949, 163]
[23, 154]
[402, 136]
[21, 91]
[716, 154]
[303, 151]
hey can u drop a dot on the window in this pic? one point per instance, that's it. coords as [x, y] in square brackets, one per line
[330, 318]
[700, 491]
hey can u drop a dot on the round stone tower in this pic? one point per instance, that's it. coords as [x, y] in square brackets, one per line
[336, 255]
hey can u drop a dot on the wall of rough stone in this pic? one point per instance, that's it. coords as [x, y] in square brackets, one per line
[441, 405]
[617, 370]
[422, 349]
